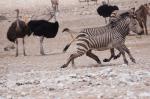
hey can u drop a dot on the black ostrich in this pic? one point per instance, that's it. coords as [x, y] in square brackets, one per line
[106, 10]
[43, 28]
[18, 29]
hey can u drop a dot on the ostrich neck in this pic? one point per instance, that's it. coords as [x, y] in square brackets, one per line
[54, 16]
[18, 27]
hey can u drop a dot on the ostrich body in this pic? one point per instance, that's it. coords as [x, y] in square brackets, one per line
[18, 29]
[106, 10]
[43, 29]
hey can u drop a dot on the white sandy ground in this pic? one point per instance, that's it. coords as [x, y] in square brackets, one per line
[40, 77]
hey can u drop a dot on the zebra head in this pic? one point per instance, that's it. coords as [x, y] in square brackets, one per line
[129, 19]
[134, 25]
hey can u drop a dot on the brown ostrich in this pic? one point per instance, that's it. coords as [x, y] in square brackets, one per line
[18, 29]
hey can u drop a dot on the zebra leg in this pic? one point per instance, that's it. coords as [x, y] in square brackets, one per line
[72, 62]
[24, 53]
[71, 58]
[41, 46]
[128, 52]
[112, 55]
[117, 56]
[93, 56]
[142, 26]
[145, 28]
[16, 47]
[123, 54]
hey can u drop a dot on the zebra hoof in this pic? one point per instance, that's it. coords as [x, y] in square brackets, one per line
[115, 57]
[63, 66]
[25, 54]
[43, 54]
[126, 62]
[99, 62]
[133, 60]
[16, 55]
[106, 60]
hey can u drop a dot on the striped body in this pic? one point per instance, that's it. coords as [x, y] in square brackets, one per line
[98, 31]
[111, 38]
[105, 37]
[95, 31]
[114, 37]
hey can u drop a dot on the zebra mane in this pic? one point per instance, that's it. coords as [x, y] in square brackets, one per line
[118, 19]
[124, 14]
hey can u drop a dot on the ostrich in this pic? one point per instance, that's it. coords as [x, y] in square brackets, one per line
[18, 29]
[43, 28]
[88, 1]
[55, 4]
[105, 10]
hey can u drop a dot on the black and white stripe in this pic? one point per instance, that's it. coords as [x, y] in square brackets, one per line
[112, 38]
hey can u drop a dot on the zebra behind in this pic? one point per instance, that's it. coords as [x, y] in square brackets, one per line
[113, 38]
[87, 32]
[97, 31]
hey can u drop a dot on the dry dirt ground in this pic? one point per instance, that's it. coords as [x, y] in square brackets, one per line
[40, 77]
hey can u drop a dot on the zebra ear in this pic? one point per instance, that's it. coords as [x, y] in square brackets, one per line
[132, 12]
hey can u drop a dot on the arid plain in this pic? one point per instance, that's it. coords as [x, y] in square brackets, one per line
[40, 77]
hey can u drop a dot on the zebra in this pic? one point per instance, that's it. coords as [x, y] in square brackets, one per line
[95, 32]
[89, 31]
[92, 32]
[113, 38]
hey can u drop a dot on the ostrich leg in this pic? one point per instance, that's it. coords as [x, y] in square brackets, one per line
[41, 46]
[105, 20]
[24, 53]
[16, 47]
[108, 1]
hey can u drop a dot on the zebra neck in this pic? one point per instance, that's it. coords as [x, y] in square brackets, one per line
[124, 31]
[123, 27]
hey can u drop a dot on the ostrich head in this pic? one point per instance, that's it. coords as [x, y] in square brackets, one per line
[104, 3]
[17, 10]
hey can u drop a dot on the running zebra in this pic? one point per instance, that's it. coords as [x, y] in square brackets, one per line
[89, 31]
[97, 31]
[113, 38]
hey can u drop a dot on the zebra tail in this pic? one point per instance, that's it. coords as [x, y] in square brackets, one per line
[69, 31]
[73, 39]
[66, 47]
